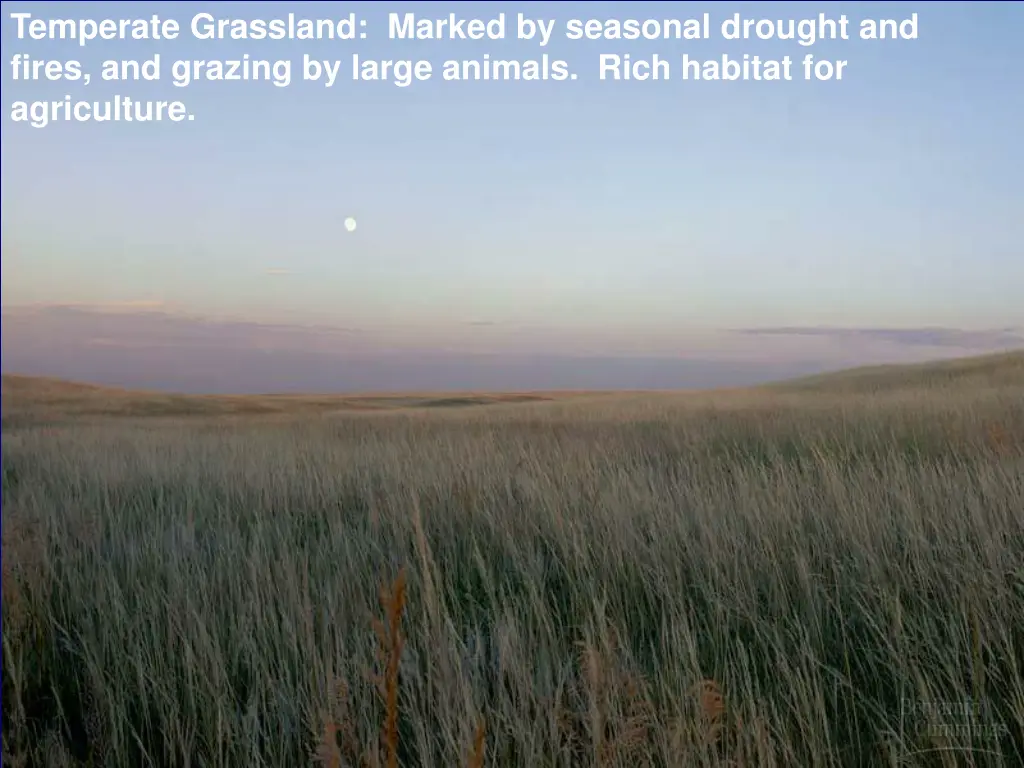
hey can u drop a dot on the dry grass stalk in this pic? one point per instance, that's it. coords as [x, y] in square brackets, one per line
[390, 642]
[479, 750]
[328, 753]
[712, 710]
[593, 670]
[620, 711]
[636, 719]
[338, 744]
[999, 440]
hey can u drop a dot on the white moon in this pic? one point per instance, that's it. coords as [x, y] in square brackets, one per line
[350, 224]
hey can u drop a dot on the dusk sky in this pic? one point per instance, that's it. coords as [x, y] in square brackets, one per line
[711, 232]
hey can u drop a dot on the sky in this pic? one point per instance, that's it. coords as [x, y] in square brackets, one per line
[584, 233]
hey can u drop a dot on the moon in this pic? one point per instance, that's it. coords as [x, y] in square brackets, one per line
[350, 224]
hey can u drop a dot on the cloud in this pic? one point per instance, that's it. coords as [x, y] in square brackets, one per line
[155, 328]
[277, 271]
[136, 304]
[131, 305]
[1000, 338]
[103, 341]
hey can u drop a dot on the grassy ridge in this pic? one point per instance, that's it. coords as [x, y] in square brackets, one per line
[783, 577]
[29, 400]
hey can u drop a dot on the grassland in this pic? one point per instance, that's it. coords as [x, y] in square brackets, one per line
[823, 573]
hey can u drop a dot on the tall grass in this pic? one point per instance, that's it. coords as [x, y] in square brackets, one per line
[749, 580]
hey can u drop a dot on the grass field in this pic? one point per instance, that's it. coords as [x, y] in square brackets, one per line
[823, 573]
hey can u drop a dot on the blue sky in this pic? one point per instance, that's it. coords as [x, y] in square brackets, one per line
[566, 218]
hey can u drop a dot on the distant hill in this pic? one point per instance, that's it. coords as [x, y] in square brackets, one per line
[34, 399]
[997, 370]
